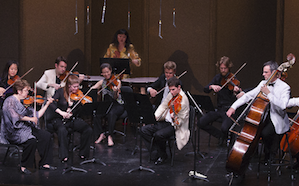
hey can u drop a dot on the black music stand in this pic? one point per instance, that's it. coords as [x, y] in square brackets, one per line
[117, 64]
[193, 174]
[140, 110]
[206, 104]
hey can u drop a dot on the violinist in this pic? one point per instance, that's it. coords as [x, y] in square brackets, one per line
[176, 122]
[121, 47]
[161, 82]
[61, 119]
[225, 97]
[51, 79]
[109, 93]
[8, 77]
[20, 126]
[276, 122]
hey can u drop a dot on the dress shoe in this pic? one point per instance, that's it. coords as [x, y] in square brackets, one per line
[160, 160]
[47, 168]
[26, 171]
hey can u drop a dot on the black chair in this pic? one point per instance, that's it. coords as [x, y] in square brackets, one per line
[101, 113]
[172, 139]
[17, 148]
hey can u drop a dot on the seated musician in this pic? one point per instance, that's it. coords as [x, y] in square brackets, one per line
[51, 79]
[276, 122]
[161, 82]
[60, 119]
[225, 97]
[109, 93]
[9, 75]
[294, 102]
[19, 126]
[173, 124]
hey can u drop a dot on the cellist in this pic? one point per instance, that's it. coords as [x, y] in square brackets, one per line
[294, 102]
[276, 122]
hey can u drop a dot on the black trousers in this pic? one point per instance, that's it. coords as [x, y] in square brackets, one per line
[270, 138]
[44, 146]
[116, 111]
[205, 121]
[161, 131]
[78, 125]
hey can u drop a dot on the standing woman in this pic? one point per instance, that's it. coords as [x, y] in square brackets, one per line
[60, 111]
[19, 126]
[121, 47]
[10, 72]
[111, 92]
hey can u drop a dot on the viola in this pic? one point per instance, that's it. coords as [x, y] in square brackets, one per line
[175, 106]
[80, 96]
[247, 140]
[232, 81]
[12, 80]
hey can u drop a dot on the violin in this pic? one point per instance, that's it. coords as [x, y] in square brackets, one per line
[112, 82]
[175, 106]
[80, 96]
[232, 81]
[12, 80]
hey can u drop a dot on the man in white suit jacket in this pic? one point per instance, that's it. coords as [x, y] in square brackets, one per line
[50, 81]
[169, 127]
[276, 123]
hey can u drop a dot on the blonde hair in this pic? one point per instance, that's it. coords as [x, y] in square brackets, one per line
[170, 65]
[226, 61]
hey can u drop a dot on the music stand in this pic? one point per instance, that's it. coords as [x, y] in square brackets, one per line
[117, 64]
[206, 104]
[140, 110]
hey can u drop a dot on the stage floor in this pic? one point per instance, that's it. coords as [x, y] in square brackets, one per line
[119, 161]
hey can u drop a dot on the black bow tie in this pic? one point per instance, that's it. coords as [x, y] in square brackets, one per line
[271, 84]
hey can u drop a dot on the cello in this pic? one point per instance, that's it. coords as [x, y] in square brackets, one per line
[293, 137]
[247, 140]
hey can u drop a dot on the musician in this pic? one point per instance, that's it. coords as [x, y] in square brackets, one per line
[109, 93]
[121, 47]
[168, 127]
[20, 126]
[51, 81]
[161, 82]
[225, 98]
[294, 102]
[276, 122]
[10, 72]
[61, 119]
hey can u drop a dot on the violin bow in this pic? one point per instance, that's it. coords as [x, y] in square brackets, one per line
[70, 71]
[178, 78]
[79, 100]
[111, 81]
[19, 78]
[34, 103]
[196, 105]
[233, 76]
[90, 90]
